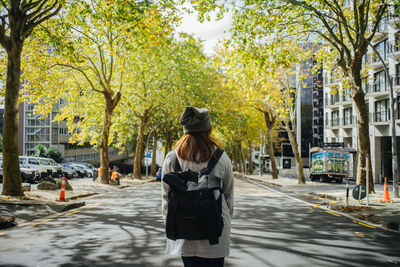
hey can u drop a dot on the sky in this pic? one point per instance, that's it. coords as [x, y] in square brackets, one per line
[209, 31]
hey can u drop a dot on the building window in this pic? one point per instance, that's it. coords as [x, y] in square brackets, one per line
[365, 85]
[397, 77]
[348, 116]
[382, 111]
[335, 118]
[382, 49]
[380, 81]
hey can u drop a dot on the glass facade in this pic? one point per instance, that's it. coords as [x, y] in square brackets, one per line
[38, 130]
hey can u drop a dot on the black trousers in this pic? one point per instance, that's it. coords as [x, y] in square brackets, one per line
[202, 262]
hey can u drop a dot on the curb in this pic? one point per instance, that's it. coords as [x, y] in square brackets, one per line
[240, 176]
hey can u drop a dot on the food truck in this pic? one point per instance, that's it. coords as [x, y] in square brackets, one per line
[329, 164]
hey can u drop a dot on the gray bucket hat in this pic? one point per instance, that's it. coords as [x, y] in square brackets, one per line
[195, 120]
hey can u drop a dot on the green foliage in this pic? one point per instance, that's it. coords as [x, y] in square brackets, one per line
[40, 151]
[51, 152]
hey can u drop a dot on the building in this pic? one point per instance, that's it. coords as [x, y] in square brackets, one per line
[310, 115]
[340, 118]
[34, 130]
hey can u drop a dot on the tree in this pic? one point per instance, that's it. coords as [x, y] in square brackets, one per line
[346, 29]
[18, 20]
[40, 151]
[94, 45]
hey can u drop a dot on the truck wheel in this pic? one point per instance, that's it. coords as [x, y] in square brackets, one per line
[325, 179]
[339, 180]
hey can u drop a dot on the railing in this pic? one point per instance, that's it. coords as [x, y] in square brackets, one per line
[366, 87]
[380, 86]
[396, 80]
[335, 122]
[348, 120]
[382, 116]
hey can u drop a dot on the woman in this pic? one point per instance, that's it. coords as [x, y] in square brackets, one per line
[193, 151]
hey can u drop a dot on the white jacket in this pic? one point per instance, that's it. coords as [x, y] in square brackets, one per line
[202, 248]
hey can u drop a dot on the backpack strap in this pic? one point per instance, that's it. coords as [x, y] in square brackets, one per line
[214, 159]
[175, 163]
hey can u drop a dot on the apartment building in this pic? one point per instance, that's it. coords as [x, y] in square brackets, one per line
[339, 109]
[35, 130]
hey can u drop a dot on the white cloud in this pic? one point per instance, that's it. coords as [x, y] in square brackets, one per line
[209, 31]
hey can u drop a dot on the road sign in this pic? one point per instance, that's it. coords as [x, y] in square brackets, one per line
[356, 192]
[287, 163]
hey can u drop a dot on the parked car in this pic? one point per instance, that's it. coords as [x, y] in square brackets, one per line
[34, 163]
[27, 175]
[68, 172]
[90, 166]
[80, 170]
[88, 170]
[158, 175]
[55, 167]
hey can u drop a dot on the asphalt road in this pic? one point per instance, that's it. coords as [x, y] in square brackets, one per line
[125, 228]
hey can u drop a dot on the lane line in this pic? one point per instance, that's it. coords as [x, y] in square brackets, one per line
[364, 224]
[360, 234]
[75, 211]
[45, 221]
[330, 212]
[316, 205]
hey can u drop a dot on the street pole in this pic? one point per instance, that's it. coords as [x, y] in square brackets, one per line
[298, 107]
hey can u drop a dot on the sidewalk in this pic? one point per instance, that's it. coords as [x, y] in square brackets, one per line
[40, 203]
[377, 214]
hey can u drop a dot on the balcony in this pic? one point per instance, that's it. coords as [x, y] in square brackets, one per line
[366, 87]
[376, 63]
[396, 81]
[380, 87]
[381, 116]
[394, 50]
[335, 122]
[348, 121]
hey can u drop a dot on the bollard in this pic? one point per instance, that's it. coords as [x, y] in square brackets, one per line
[347, 195]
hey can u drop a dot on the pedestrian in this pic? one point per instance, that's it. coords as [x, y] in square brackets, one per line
[193, 151]
[115, 173]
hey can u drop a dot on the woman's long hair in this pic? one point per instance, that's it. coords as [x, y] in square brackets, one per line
[197, 147]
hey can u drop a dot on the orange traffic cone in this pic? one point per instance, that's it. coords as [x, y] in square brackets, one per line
[62, 192]
[386, 197]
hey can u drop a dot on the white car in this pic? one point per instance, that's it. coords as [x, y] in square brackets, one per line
[34, 163]
[55, 167]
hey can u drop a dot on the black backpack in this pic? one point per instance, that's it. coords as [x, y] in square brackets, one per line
[195, 202]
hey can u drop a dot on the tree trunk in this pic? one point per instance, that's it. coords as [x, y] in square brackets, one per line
[139, 145]
[168, 145]
[239, 157]
[104, 159]
[295, 148]
[364, 146]
[234, 159]
[363, 141]
[12, 182]
[154, 155]
[250, 154]
[269, 122]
